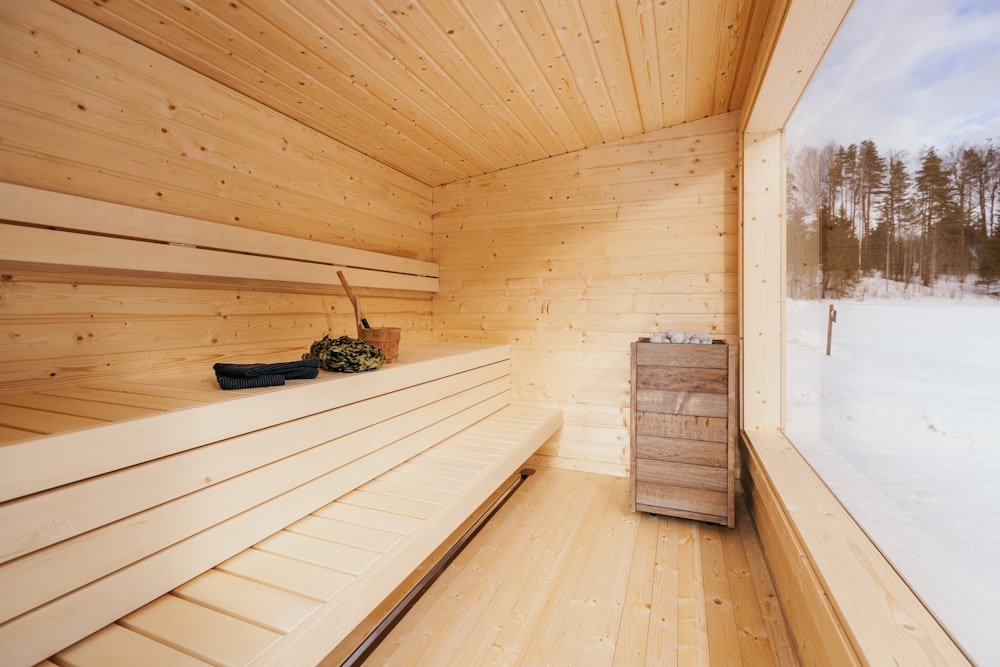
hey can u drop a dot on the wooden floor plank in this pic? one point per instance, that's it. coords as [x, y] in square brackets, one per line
[600, 593]
[518, 573]
[692, 622]
[556, 597]
[566, 574]
[723, 640]
[755, 644]
[634, 629]
[662, 642]
[766, 598]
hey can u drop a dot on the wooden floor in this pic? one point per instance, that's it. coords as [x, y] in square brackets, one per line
[565, 574]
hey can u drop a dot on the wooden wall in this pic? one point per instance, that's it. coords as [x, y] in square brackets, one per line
[87, 112]
[571, 258]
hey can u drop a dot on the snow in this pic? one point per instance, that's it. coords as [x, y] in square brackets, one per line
[902, 421]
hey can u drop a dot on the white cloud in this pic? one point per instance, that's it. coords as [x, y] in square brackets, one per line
[907, 74]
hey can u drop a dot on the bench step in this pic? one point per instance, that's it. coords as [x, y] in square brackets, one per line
[292, 598]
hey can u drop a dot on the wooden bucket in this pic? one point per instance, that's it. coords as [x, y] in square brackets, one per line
[385, 338]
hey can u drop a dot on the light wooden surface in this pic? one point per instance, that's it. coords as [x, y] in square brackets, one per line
[570, 259]
[93, 113]
[43, 208]
[103, 516]
[846, 604]
[443, 90]
[293, 596]
[94, 289]
[567, 574]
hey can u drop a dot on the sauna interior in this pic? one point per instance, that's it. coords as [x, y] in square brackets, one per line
[523, 189]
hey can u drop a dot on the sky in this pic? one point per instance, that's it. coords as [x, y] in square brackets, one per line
[907, 74]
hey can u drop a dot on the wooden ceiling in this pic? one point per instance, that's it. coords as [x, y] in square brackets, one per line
[446, 89]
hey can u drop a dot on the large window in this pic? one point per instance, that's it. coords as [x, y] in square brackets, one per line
[892, 310]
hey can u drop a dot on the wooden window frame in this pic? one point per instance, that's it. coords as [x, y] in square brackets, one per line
[844, 601]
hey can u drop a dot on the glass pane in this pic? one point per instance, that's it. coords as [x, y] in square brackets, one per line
[893, 276]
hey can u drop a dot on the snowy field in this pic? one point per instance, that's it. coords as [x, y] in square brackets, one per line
[902, 421]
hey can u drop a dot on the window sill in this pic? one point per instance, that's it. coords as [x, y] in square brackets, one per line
[843, 600]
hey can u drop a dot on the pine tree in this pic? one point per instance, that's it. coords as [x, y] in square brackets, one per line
[895, 212]
[870, 173]
[934, 208]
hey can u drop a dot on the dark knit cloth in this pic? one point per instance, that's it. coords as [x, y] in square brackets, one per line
[247, 376]
[249, 383]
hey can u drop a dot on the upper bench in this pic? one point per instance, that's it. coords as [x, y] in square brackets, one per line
[63, 232]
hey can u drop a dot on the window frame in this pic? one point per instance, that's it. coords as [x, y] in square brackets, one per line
[844, 601]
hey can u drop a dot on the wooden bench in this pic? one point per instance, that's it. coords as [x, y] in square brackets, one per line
[278, 517]
[150, 517]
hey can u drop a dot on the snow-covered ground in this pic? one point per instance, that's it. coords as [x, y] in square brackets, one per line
[902, 421]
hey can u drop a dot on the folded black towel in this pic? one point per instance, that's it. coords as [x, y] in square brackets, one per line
[226, 382]
[305, 369]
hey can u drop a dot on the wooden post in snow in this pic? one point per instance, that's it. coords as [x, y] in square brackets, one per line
[831, 318]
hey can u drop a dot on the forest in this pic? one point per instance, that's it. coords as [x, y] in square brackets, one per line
[854, 212]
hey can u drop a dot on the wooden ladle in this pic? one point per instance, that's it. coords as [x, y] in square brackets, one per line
[355, 301]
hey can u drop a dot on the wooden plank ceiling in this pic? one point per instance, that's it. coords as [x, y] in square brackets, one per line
[447, 89]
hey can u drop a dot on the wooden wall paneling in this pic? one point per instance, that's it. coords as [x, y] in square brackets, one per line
[570, 259]
[85, 117]
[304, 81]
[444, 90]
[72, 333]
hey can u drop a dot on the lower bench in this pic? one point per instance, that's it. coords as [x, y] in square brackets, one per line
[292, 598]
